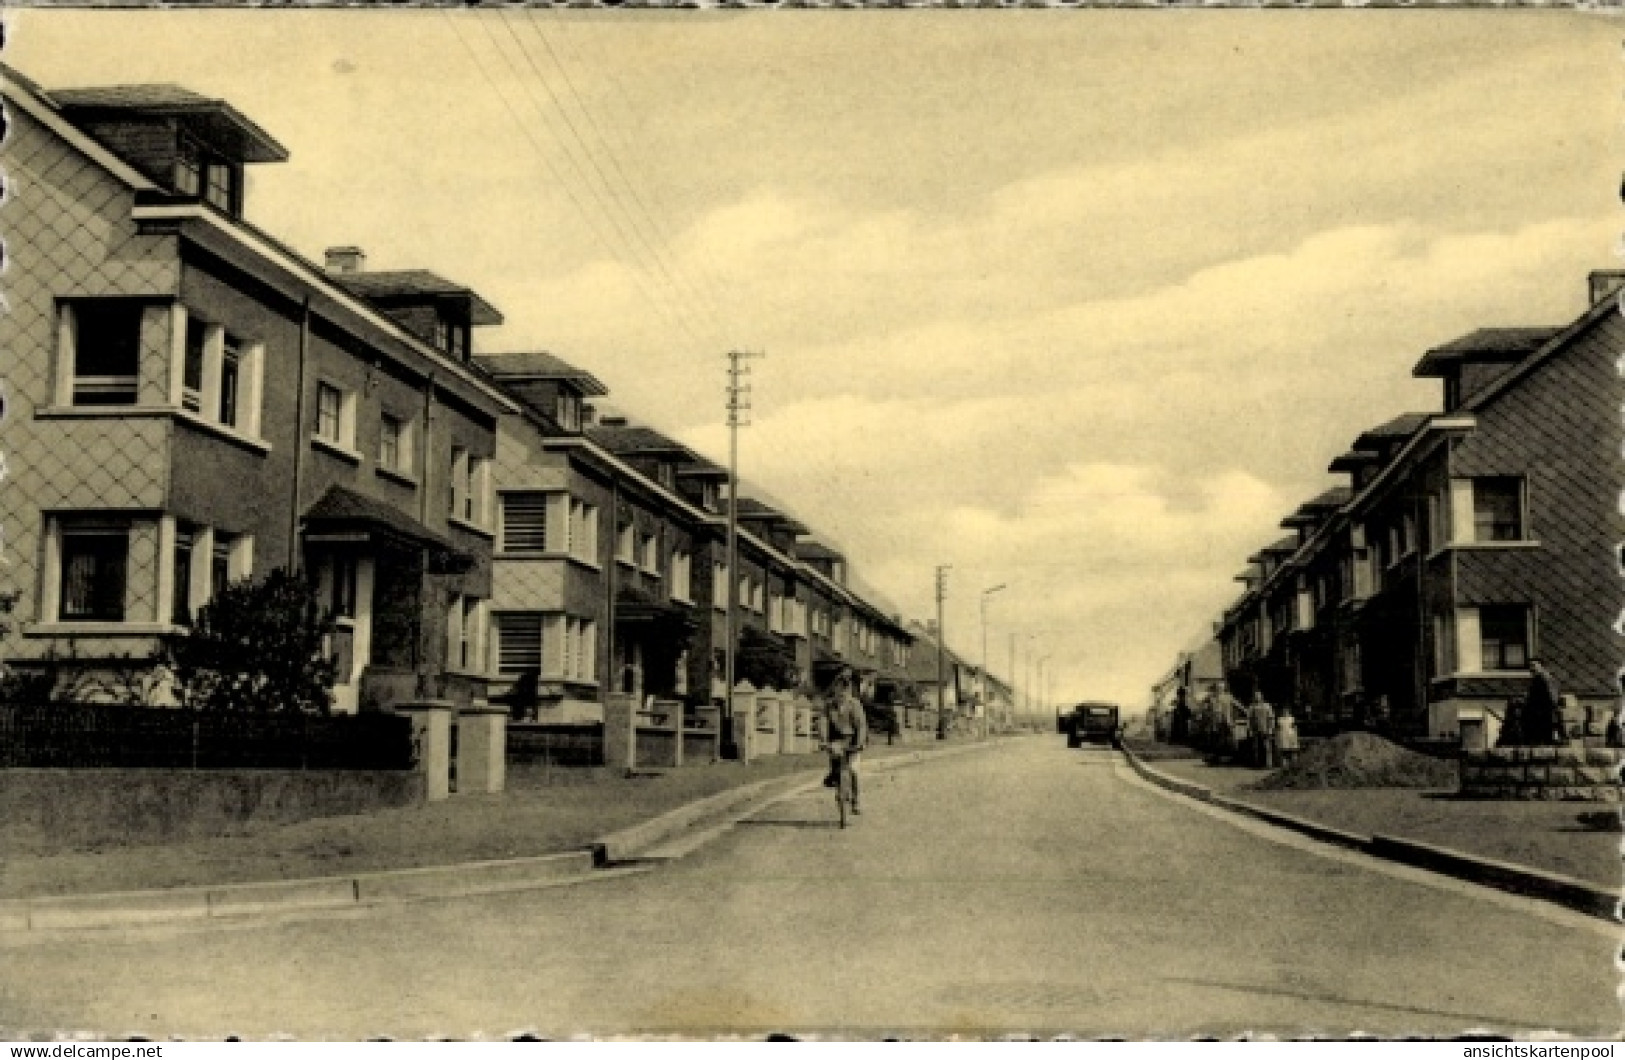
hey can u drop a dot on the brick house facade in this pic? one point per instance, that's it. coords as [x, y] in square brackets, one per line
[1467, 543]
[194, 403]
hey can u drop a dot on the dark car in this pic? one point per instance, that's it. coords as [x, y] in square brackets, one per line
[1092, 723]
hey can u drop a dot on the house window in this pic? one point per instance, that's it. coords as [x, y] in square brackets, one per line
[180, 607]
[719, 586]
[220, 188]
[1497, 509]
[583, 531]
[457, 485]
[192, 369]
[220, 565]
[708, 496]
[1504, 636]
[463, 634]
[568, 411]
[466, 492]
[681, 576]
[188, 168]
[342, 598]
[626, 544]
[395, 449]
[95, 561]
[231, 366]
[524, 523]
[329, 413]
[519, 644]
[649, 558]
[103, 340]
[666, 475]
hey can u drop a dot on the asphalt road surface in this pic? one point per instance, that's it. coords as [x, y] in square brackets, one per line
[1023, 889]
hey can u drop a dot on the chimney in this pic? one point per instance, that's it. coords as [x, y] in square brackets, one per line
[1605, 283]
[346, 259]
[589, 414]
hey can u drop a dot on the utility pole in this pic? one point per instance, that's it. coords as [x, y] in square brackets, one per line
[942, 713]
[986, 697]
[738, 416]
[1015, 704]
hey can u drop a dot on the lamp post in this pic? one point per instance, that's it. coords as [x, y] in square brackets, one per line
[1043, 700]
[986, 705]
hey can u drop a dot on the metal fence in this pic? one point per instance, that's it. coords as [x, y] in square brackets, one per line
[558, 745]
[98, 735]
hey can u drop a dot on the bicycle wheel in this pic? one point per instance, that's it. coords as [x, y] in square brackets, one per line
[843, 791]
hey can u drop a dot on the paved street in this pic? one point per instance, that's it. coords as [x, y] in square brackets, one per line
[1022, 889]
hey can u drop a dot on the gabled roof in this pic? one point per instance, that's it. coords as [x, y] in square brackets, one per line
[525, 365]
[634, 441]
[1284, 546]
[414, 284]
[1600, 310]
[342, 508]
[700, 467]
[1395, 430]
[1352, 460]
[755, 511]
[1497, 345]
[1315, 509]
[814, 550]
[215, 119]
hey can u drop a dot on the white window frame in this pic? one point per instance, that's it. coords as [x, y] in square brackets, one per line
[343, 440]
[405, 462]
[529, 504]
[67, 346]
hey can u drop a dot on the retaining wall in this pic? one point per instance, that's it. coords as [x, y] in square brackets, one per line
[152, 805]
[1575, 774]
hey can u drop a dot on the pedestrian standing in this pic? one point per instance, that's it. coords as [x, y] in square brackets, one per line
[1261, 727]
[1286, 737]
[1543, 724]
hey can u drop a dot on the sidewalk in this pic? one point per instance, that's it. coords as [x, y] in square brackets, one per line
[544, 811]
[1567, 838]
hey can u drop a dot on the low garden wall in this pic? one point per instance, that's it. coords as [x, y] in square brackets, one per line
[1572, 773]
[150, 805]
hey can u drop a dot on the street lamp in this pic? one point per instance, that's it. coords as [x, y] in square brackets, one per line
[986, 705]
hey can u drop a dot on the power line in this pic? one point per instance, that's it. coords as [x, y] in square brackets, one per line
[612, 245]
[660, 246]
[603, 187]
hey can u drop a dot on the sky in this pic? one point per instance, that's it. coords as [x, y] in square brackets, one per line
[1079, 303]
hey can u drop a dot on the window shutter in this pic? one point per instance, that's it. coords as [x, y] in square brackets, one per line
[519, 643]
[525, 519]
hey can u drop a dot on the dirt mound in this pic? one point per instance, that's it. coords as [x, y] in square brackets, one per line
[1361, 760]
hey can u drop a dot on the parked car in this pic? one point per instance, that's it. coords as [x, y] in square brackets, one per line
[1092, 722]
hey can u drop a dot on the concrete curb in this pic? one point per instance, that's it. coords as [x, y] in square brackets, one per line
[222, 901]
[1526, 880]
[239, 900]
[686, 828]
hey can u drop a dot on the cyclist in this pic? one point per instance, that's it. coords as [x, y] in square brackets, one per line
[845, 732]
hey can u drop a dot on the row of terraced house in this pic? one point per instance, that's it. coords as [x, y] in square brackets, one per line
[1463, 544]
[193, 403]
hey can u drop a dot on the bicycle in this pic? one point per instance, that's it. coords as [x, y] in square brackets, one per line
[843, 782]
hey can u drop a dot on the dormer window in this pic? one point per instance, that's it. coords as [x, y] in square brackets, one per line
[200, 173]
[666, 475]
[451, 336]
[567, 410]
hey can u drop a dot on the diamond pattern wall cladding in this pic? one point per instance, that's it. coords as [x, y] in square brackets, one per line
[1560, 426]
[68, 233]
[529, 585]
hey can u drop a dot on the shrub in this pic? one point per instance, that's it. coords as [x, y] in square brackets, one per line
[257, 647]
